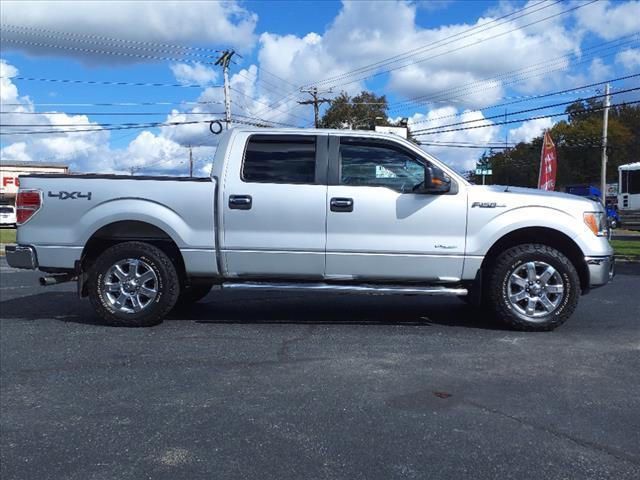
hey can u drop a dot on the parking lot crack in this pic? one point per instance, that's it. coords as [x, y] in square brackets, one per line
[617, 454]
[284, 353]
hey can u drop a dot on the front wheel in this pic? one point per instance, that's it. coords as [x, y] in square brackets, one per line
[133, 284]
[533, 287]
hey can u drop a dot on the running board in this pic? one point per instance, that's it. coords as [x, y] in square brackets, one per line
[356, 288]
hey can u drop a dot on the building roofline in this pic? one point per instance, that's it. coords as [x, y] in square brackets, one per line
[5, 164]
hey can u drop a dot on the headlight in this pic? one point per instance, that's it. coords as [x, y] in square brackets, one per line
[597, 222]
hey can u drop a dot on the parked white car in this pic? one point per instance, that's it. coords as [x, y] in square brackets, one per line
[7, 216]
[320, 210]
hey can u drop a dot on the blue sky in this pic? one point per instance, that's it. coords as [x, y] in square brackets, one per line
[540, 47]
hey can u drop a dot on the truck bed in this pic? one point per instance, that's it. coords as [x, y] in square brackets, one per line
[76, 207]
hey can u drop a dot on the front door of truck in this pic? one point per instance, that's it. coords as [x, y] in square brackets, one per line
[378, 228]
[275, 207]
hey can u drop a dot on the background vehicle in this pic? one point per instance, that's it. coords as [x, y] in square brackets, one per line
[321, 210]
[629, 196]
[594, 193]
[7, 216]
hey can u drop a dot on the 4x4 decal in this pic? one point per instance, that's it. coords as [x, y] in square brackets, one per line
[69, 195]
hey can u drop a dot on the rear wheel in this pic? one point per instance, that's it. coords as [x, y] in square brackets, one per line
[533, 287]
[133, 284]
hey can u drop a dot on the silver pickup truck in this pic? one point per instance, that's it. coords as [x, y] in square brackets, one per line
[323, 210]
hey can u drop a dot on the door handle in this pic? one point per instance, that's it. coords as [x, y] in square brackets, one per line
[240, 202]
[339, 204]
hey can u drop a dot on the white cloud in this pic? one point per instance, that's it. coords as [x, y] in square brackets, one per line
[629, 58]
[598, 70]
[59, 146]
[454, 71]
[529, 130]
[459, 158]
[170, 22]
[197, 73]
[16, 152]
[154, 151]
[610, 20]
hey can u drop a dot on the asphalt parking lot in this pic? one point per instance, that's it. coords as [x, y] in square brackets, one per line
[297, 386]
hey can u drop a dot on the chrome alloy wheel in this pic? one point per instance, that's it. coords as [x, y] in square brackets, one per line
[535, 289]
[130, 285]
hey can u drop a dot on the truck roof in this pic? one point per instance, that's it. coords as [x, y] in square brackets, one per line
[311, 131]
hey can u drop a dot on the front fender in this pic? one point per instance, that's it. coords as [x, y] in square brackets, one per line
[485, 228]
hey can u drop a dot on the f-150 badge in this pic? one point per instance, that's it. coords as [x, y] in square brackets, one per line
[486, 205]
[69, 195]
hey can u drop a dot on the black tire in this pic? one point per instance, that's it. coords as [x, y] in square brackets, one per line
[497, 288]
[192, 294]
[166, 284]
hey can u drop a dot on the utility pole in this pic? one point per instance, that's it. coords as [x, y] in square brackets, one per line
[190, 161]
[223, 61]
[605, 126]
[506, 147]
[314, 92]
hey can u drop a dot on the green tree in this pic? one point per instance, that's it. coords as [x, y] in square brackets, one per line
[362, 112]
[578, 144]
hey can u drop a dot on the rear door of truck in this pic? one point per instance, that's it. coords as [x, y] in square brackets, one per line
[275, 206]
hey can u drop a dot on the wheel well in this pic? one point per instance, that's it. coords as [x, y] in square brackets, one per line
[130, 230]
[546, 236]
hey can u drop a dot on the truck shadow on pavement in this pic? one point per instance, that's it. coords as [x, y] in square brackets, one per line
[335, 309]
[277, 308]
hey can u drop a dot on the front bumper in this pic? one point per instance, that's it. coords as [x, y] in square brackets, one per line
[21, 256]
[601, 270]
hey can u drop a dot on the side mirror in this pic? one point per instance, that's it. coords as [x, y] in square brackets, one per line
[435, 181]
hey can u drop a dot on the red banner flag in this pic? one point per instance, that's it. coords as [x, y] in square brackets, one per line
[548, 164]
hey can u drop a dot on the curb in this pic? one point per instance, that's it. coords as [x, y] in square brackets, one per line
[624, 259]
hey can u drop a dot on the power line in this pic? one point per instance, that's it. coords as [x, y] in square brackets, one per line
[112, 104]
[108, 113]
[104, 44]
[110, 39]
[586, 110]
[101, 127]
[113, 126]
[144, 45]
[516, 76]
[263, 103]
[439, 43]
[410, 52]
[451, 50]
[523, 111]
[580, 89]
[467, 45]
[94, 51]
[111, 82]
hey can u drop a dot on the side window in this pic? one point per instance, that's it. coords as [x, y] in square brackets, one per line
[280, 159]
[633, 181]
[380, 164]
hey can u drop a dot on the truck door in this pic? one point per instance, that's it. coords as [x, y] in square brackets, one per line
[275, 207]
[378, 228]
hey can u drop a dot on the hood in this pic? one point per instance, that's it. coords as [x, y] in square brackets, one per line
[514, 197]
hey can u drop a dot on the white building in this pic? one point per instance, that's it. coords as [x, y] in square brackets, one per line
[11, 171]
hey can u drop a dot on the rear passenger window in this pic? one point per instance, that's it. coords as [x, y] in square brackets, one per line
[280, 159]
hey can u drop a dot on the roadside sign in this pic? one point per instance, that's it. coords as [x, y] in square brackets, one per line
[486, 171]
